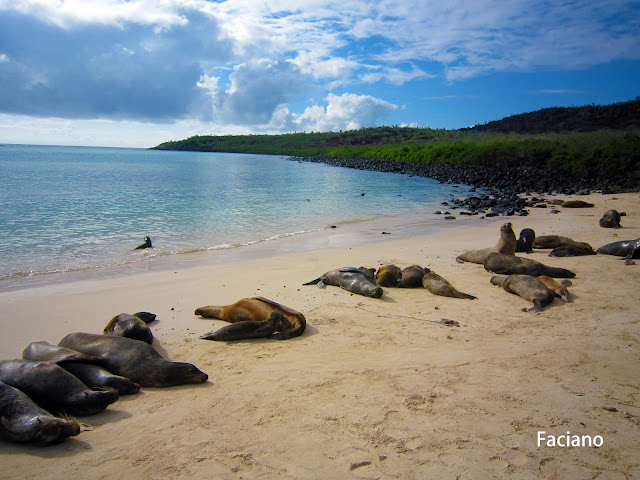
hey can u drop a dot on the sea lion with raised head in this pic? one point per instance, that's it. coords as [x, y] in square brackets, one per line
[354, 280]
[22, 420]
[510, 264]
[388, 275]
[555, 241]
[138, 361]
[559, 289]
[55, 389]
[440, 286]
[610, 219]
[255, 317]
[132, 326]
[525, 242]
[412, 276]
[527, 287]
[624, 248]
[146, 244]
[506, 244]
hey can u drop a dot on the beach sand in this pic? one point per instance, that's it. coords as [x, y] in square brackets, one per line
[374, 388]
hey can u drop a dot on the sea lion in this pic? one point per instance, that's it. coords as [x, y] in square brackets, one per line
[55, 389]
[135, 360]
[510, 264]
[146, 244]
[440, 286]
[353, 279]
[254, 318]
[525, 242]
[559, 289]
[412, 276]
[22, 420]
[610, 219]
[624, 248]
[132, 326]
[576, 204]
[567, 251]
[388, 275]
[554, 241]
[45, 352]
[506, 244]
[527, 287]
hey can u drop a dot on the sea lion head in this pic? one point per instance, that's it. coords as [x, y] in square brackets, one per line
[53, 430]
[507, 228]
[373, 291]
[91, 402]
[183, 372]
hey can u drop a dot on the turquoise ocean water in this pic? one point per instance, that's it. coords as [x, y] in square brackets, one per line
[66, 209]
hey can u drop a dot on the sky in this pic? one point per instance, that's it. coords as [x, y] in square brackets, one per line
[140, 72]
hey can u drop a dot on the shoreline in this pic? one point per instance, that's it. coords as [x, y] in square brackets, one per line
[374, 388]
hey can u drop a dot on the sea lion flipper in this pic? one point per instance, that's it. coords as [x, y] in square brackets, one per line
[321, 284]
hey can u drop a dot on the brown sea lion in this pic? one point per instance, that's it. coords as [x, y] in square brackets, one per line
[22, 420]
[624, 248]
[525, 242]
[352, 279]
[255, 317]
[132, 326]
[506, 244]
[610, 219]
[55, 389]
[555, 241]
[135, 360]
[412, 276]
[388, 275]
[527, 287]
[576, 204]
[559, 289]
[568, 251]
[440, 286]
[510, 264]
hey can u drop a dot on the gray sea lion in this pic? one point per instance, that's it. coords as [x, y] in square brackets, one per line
[22, 420]
[555, 241]
[525, 242]
[354, 280]
[506, 244]
[624, 248]
[55, 389]
[440, 286]
[45, 352]
[576, 204]
[146, 244]
[510, 264]
[610, 219]
[412, 276]
[255, 317]
[135, 360]
[132, 326]
[527, 287]
[559, 289]
[388, 275]
[567, 251]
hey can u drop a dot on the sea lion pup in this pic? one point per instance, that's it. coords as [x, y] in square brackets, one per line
[568, 251]
[527, 287]
[22, 420]
[576, 204]
[412, 276]
[525, 242]
[510, 264]
[506, 244]
[135, 360]
[132, 326]
[55, 389]
[146, 244]
[555, 241]
[559, 289]
[354, 280]
[610, 219]
[624, 248]
[388, 275]
[440, 286]
[255, 317]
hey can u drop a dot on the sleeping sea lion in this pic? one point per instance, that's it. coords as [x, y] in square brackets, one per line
[22, 420]
[146, 244]
[132, 326]
[568, 251]
[527, 287]
[506, 244]
[135, 360]
[510, 264]
[388, 275]
[440, 286]
[525, 242]
[555, 241]
[624, 248]
[255, 317]
[55, 389]
[610, 219]
[559, 289]
[353, 279]
[576, 204]
[412, 276]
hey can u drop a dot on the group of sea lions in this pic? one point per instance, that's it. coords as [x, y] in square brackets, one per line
[82, 375]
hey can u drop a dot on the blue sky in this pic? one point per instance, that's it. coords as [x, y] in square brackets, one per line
[140, 72]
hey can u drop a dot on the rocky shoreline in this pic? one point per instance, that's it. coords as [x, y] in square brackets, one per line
[502, 191]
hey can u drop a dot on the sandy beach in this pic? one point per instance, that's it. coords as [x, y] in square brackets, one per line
[374, 388]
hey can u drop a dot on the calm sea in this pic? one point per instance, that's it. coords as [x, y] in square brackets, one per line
[64, 209]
